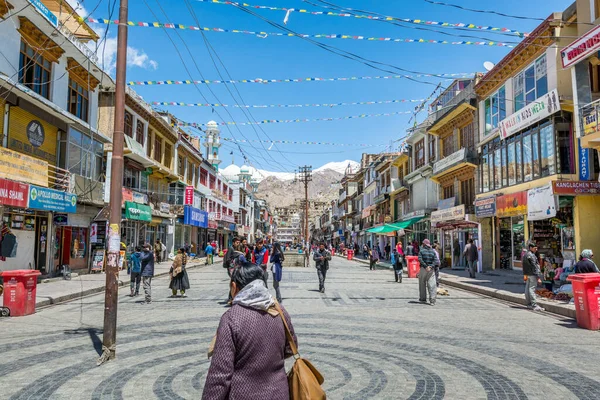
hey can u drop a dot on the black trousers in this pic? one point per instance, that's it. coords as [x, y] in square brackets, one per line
[322, 274]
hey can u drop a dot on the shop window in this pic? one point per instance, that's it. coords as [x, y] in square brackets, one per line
[519, 161]
[157, 148]
[495, 110]
[420, 153]
[504, 162]
[78, 242]
[512, 166]
[527, 157]
[78, 100]
[566, 148]
[128, 124]
[84, 155]
[34, 70]
[431, 148]
[168, 155]
[139, 132]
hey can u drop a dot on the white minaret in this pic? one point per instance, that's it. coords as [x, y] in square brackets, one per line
[245, 175]
[213, 143]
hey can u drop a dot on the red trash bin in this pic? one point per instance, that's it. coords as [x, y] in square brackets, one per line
[19, 291]
[586, 292]
[413, 266]
[350, 255]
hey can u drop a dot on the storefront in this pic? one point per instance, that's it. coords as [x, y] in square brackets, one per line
[197, 220]
[133, 227]
[455, 228]
[511, 229]
[73, 238]
[419, 229]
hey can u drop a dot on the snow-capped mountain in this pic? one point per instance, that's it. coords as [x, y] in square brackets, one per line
[260, 174]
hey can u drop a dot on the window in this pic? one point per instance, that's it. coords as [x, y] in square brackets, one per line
[519, 161]
[34, 70]
[448, 145]
[420, 153]
[157, 148]
[168, 155]
[495, 110]
[467, 136]
[212, 181]
[203, 176]
[131, 178]
[78, 100]
[467, 192]
[85, 156]
[128, 124]
[535, 139]
[531, 84]
[512, 166]
[448, 192]
[497, 170]
[431, 148]
[485, 173]
[139, 132]
[180, 166]
[527, 156]
[230, 194]
[547, 150]
[150, 143]
[504, 163]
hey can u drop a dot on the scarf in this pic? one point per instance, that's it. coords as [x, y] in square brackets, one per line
[255, 295]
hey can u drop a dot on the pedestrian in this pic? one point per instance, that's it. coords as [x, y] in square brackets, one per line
[585, 265]
[373, 258]
[427, 273]
[410, 249]
[248, 361]
[322, 258]
[136, 271]
[187, 248]
[277, 259]
[228, 261]
[158, 251]
[246, 249]
[438, 263]
[471, 253]
[387, 250]
[396, 260]
[147, 272]
[456, 254]
[209, 252]
[260, 257]
[365, 251]
[416, 248]
[178, 274]
[532, 275]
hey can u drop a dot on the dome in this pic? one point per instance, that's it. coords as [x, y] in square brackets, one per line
[212, 125]
[245, 169]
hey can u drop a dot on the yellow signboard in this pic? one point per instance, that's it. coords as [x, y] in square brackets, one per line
[590, 120]
[21, 167]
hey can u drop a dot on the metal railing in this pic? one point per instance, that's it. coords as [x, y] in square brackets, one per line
[60, 179]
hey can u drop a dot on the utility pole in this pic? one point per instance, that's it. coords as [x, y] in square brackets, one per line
[305, 176]
[109, 339]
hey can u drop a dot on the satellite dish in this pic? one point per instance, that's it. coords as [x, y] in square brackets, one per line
[488, 65]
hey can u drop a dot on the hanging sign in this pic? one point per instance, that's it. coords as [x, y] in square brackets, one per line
[189, 196]
[585, 163]
[541, 203]
[49, 15]
[60, 219]
[534, 112]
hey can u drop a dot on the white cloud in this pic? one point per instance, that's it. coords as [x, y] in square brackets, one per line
[107, 52]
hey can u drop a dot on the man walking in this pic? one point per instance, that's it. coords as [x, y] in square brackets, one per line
[472, 255]
[260, 256]
[427, 283]
[136, 271]
[532, 276]
[158, 248]
[147, 272]
[209, 251]
[322, 258]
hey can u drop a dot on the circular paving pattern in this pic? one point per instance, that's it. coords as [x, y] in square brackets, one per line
[367, 335]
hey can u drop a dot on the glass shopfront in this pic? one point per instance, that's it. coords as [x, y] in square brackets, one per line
[511, 241]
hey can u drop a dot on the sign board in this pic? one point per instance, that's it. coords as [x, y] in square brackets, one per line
[447, 203]
[138, 212]
[511, 205]
[41, 198]
[98, 260]
[589, 119]
[542, 108]
[197, 200]
[414, 214]
[35, 133]
[450, 214]
[189, 196]
[165, 208]
[139, 198]
[486, 207]
[45, 11]
[195, 217]
[449, 161]
[94, 233]
[541, 203]
[575, 188]
[61, 219]
[581, 48]
[126, 195]
[13, 193]
[213, 224]
[18, 166]
[586, 163]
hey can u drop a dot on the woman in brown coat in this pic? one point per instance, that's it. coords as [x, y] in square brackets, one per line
[250, 347]
[179, 277]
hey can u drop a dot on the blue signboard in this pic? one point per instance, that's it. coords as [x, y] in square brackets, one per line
[585, 163]
[41, 198]
[486, 207]
[195, 217]
[45, 12]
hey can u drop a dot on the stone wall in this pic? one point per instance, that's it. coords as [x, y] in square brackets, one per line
[293, 259]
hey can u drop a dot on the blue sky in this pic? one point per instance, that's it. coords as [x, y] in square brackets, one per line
[247, 56]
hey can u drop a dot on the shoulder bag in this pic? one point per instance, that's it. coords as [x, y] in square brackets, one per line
[304, 379]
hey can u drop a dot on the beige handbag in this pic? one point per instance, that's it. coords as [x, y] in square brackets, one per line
[304, 379]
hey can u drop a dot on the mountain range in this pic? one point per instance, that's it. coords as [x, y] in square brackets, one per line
[260, 174]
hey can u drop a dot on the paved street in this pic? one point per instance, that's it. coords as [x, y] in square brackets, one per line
[367, 334]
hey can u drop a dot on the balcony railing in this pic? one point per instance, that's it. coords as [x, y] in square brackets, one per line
[60, 179]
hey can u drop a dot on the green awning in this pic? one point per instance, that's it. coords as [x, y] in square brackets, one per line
[396, 226]
[410, 222]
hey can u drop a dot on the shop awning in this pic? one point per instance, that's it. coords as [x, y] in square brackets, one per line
[383, 229]
[410, 222]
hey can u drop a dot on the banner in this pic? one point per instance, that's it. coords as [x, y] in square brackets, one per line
[189, 196]
[511, 205]
[195, 217]
[41, 198]
[530, 114]
[450, 214]
[21, 167]
[541, 203]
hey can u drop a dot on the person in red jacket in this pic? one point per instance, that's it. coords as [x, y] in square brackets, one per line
[260, 256]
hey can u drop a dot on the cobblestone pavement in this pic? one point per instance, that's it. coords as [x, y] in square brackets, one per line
[368, 335]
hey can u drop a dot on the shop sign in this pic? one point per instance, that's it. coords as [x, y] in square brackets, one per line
[511, 205]
[126, 195]
[449, 214]
[486, 207]
[541, 203]
[35, 133]
[61, 219]
[195, 217]
[138, 212]
[41, 198]
[139, 198]
[575, 188]
[213, 224]
[449, 161]
[197, 200]
[447, 203]
[165, 208]
[189, 196]
[45, 11]
[13, 193]
[21, 167]
[589, 118]
[414, 214]
[232, 227]
[581, 48]
[585, 163]
[542, 108]
[93, 232]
